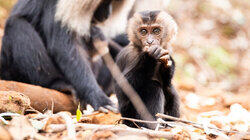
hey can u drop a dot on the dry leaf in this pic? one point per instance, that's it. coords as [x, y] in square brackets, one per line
[21, 128]
[102, 135]
[11, 101]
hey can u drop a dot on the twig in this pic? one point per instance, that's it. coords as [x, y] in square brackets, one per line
[173, 118]
[140, 121]
[2, 115]
[102, 48]
[137, 125]
[158, 122]
[9, 114]
[197, 125]
[31, 109]
[115, 45]
[52, 105]
[3, 120]
[114, 128]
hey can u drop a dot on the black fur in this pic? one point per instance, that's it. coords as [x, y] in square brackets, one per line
[37, 50]
[151, 83]
[103, 12]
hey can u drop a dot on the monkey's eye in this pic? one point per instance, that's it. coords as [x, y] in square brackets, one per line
[156, 31]
[143, 31]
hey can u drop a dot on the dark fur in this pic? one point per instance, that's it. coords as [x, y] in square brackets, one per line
[103, 11]
[158, 95]
[37, 50]
[149, 17]
[150, 79]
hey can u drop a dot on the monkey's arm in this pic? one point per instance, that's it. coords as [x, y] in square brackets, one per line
[167, 72]
[137, 67]
[30, 9]
[72, 61]
[171, 96]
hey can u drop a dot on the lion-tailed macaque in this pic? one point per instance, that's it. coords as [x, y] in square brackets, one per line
[148, 66]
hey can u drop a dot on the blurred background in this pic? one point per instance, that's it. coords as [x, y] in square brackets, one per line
[211, 50]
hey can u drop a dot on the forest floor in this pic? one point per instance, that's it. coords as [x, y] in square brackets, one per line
[210, 114]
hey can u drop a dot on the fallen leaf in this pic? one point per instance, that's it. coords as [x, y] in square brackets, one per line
[78, 113]
[5, 135]
[21, 128]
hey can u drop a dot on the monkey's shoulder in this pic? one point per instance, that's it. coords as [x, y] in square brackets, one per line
[127, 56]
[129, 53]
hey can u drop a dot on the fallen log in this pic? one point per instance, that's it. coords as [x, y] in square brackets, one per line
[42, 98]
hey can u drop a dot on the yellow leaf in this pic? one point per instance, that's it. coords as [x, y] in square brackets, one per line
[10, 98]
[78, 113]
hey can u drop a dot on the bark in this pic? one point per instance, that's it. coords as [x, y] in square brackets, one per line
[42, 98]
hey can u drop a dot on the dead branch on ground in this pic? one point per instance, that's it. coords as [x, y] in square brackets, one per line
[113, 128]
[197, 125]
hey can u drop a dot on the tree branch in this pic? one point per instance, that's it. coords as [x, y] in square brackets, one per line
[197, 125]
[113, 128]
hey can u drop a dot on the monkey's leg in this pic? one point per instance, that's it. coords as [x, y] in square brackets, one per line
[26, 57]
[153, 98]
[171, 102]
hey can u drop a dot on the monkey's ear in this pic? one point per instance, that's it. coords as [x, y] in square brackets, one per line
[171, 27]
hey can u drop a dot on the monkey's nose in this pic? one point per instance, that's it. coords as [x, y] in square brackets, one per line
[150, 41]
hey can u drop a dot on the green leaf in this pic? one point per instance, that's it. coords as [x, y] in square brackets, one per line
[78, 113]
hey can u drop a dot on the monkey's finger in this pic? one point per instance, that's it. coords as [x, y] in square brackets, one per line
[111, 108]
[157, 53]
[164, 52]
[152, 50]
[165, 57]
[149, 50]
[166, 60]
[102, 109]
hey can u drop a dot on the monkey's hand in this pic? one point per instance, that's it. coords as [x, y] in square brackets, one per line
[100, 102]
[159, 54]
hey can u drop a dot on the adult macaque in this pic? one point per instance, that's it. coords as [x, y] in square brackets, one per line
[48, 43]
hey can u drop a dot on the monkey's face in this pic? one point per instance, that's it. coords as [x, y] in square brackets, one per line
[151, 28]
[150, 35]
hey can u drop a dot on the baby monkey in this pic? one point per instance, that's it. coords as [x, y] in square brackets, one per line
[147, 65]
